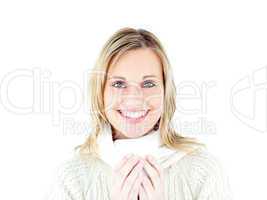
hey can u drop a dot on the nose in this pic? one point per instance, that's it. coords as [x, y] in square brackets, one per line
[133, 97]
[133, 90]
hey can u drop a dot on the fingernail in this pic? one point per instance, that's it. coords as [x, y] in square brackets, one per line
[141, 162]
[140, 166]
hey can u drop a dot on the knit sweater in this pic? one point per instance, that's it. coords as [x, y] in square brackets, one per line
[196, 176]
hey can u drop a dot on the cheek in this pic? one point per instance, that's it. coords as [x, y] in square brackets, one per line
[155, 102]
[111, 98]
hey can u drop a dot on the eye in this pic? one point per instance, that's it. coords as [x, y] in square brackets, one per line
[119, 84]
[149, 84]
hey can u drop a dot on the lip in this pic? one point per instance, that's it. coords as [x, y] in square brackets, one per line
[133, 120]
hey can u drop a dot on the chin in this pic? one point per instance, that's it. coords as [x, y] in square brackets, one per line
[134, 131]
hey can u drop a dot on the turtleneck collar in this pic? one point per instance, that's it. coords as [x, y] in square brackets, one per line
[152, 139]
[150, 144]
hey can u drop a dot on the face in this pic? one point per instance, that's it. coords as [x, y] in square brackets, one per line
[133, 94]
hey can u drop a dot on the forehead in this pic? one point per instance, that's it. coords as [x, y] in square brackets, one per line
[137, 63]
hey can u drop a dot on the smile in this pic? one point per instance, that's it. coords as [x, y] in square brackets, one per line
[133, 116]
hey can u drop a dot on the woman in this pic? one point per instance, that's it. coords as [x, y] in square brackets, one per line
[133, 152]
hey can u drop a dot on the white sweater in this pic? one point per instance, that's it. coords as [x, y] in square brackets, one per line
[196, 176]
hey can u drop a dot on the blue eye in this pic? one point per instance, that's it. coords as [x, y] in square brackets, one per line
[149, 84]
[118, 84]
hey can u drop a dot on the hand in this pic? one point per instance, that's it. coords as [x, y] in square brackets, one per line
[152, 184]
[126, 178]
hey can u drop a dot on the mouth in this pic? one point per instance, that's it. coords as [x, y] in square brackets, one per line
[133, 116]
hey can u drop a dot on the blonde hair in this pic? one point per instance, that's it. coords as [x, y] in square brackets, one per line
[123, 40]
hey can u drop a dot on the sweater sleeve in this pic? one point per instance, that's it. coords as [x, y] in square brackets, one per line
[211, 182]
[66, 185]
[199, 176]
[80, 179]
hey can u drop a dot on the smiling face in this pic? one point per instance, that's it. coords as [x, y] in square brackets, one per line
[133, 94]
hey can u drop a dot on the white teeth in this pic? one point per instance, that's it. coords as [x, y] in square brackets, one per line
[133, 114]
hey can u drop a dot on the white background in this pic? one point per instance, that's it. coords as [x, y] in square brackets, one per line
[220, 45]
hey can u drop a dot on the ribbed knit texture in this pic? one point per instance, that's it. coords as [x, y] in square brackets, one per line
[197, 176]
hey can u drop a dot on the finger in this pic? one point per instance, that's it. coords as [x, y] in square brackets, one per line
[142, 193]
[155, 165]
[122, 162]
[128, 183]
[148, 187]
[126, 169]
[135, 189]
[117, 168]
[152, 174]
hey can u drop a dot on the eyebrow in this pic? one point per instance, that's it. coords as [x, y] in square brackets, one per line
[120, 77]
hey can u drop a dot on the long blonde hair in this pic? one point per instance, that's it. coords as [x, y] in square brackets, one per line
[121, 41]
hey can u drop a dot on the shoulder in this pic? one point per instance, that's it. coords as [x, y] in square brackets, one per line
[81, 166]
[201, 160]
[204, 173]
[77, 174]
